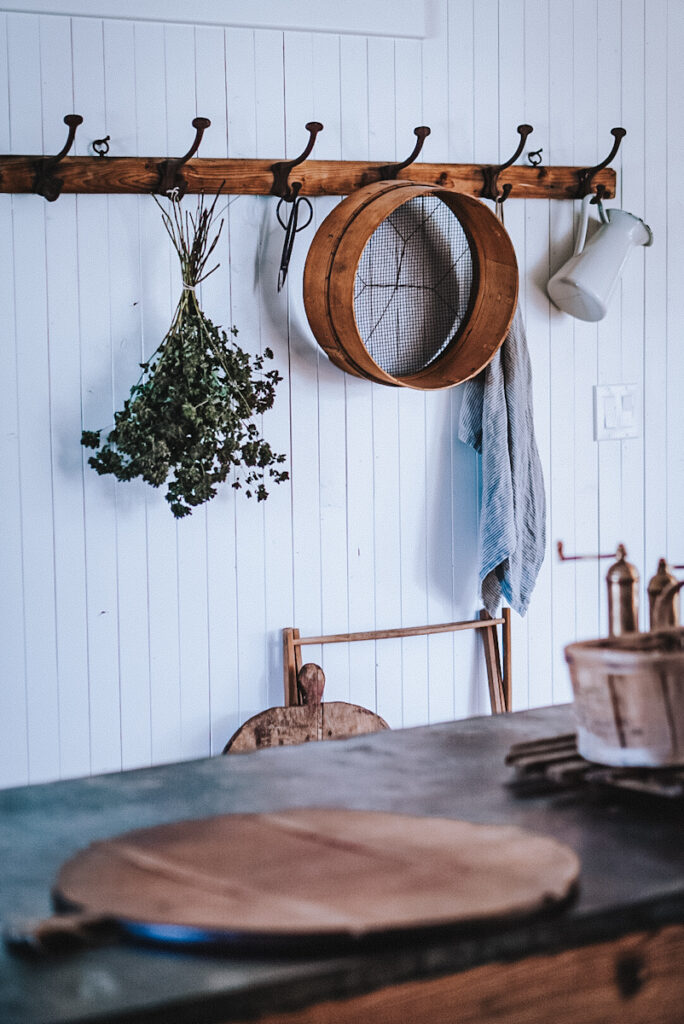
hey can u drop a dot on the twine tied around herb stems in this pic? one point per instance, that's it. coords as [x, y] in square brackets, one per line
[189, 421]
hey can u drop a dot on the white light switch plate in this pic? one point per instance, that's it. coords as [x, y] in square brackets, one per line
[617, 413]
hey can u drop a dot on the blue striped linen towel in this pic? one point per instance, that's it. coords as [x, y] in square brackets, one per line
[496, 420]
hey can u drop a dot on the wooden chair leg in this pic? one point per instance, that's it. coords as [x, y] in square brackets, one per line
[291, 657]
[493, 663]
[507, 667]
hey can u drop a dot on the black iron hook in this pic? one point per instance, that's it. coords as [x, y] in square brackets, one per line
[281, 170]
[535, 157]
[490, 189]
[585, 178]
[390, 171]
[170, 175]
[45, 182]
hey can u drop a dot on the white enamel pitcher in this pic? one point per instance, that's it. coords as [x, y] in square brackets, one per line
[583, 286]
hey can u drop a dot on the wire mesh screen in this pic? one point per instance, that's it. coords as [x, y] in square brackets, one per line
[413, 285]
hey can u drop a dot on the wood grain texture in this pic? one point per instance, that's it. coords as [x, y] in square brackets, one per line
[305, 717]
[118, 175]
[330, 285]
[366, 872]
[400, 631]
[497, 693]
[283, 727]
[499, 679]
[454, 770]
[629, 698]
[635, 979]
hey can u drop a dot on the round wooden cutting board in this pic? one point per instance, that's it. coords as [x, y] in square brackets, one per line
[315, 872]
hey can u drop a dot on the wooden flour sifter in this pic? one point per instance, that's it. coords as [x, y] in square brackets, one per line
[410, 285]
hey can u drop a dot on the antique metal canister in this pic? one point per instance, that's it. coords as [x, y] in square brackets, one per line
[658, 583]
[623, 596]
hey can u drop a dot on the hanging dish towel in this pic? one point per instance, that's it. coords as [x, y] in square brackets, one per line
[496, 420]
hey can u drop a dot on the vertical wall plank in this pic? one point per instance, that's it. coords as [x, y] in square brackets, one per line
[65, 404]
[412, 441]
[562, 370]
[245, 220]
[386, 522]
[159, 287]
[468, 675]
[279, 577]
[300, 107]
[609, 369]
[14, 765]
[181, 105]
[439, 440]
[632, 292]
[332, 411]
[360, 496]
[585, 483]
[486, 51]
[215, 60]
[535, 688]
[674, 493]
[98, 407]
[485, 139]
[34, 417]
[211, 82]
[127, 354]
[512, 112]
[655, 298]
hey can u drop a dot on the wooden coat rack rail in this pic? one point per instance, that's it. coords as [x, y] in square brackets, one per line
[51, 176]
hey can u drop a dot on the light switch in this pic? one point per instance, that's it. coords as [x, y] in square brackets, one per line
[627, 410]
[609, 412]
[616, 411]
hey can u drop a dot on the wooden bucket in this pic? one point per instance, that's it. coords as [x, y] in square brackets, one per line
[330, 280]
[629, 698]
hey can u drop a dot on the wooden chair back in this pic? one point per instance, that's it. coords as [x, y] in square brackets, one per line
[498, 673]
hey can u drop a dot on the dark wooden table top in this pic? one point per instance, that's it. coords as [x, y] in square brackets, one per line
[632, 869]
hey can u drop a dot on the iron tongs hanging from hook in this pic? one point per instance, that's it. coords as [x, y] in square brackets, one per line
[289, 193]
[292, 226]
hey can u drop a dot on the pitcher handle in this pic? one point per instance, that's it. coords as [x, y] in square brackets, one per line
[584, 221]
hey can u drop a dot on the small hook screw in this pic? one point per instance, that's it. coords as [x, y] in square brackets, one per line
[101, 146]
[535, 157]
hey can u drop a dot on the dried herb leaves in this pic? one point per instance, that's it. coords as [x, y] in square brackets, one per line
[189, 420]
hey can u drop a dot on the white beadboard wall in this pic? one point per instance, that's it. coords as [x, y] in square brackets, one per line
[129, 639]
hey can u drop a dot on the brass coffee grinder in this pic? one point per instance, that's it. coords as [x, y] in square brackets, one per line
[622, 580]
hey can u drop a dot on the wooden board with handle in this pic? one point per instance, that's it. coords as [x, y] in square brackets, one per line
[281, 727]
[351, 874]
[309, 720]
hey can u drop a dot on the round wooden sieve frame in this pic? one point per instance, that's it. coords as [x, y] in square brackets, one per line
[332, 264]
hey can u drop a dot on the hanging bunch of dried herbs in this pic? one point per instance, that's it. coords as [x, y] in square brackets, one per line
[190, 418]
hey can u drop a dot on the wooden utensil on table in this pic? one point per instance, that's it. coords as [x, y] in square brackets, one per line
[359, 874]
[310, 720]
